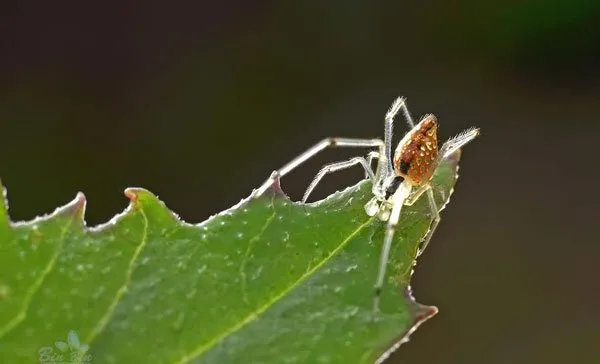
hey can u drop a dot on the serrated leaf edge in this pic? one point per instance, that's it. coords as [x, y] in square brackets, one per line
[77, 208]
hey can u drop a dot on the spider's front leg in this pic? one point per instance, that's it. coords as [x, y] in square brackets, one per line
[397, 200]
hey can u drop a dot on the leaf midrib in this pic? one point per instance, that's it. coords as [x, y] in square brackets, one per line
[203, 348]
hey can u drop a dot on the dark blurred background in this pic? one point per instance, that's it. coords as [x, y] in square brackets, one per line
[198, 103]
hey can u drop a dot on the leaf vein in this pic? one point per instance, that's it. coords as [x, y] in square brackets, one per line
[101, 325]
[203, 348]
[251, 246]
[37, 284]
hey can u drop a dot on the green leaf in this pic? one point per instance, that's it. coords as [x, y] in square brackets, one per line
[267, 281]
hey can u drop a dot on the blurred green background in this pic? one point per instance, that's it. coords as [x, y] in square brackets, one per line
[199, 102]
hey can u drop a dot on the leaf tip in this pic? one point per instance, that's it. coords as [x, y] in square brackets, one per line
[75, 208]
[131, 194]
[138, 195]
[423, 313]
[420, 313]
[141, 198]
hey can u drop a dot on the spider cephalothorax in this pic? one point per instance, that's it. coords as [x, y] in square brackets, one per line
[398, 179]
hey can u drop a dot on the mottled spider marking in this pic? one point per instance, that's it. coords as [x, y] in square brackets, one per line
[417, 157]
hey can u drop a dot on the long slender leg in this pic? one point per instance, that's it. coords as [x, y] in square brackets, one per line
[389, 131]
[397, 201]
[370, 157]
[458, 141]
[397, 105]
[325, 143]
[434, 223]
[449, 147]
[409, 119]
[414, 196]
[334, 167]
[434, 210]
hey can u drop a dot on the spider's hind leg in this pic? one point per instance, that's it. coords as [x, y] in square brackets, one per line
[434, 211]
[312, 151]
[410, 200]
[434, 224]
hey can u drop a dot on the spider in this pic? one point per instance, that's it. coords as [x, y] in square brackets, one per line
[399, 179]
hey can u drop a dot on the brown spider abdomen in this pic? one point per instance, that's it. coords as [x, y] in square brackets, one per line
[416, 158]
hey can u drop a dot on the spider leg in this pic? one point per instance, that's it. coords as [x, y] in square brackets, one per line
[449, 147]
[434, 210]
[434, 223]
[414, 196]
[398, 199]
[370, 157]
[397, 105]
[309, 153]
[453, 144]
[338, 166]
